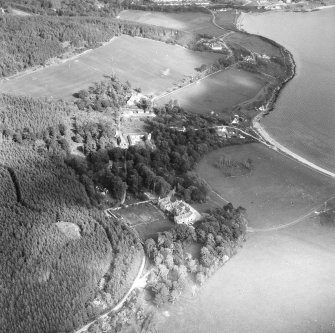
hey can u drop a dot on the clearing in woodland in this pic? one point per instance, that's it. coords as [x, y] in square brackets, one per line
[151, 65]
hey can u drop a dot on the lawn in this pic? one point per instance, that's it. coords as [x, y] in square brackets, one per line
[278, 191]
[193, 22]
[154, 66]
[147, 219]
[218, 92]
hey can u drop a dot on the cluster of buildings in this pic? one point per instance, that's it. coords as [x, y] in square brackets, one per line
[182, 212]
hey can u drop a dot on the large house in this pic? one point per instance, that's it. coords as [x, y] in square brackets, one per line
[135, 138]
[183, 212]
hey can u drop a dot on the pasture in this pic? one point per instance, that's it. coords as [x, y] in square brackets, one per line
[219, 92]
[151, 65]
[278, 190]
[192, 22]
[147, 219]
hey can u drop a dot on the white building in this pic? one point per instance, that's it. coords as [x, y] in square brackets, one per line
[222, 131]
[135, 138]
[215, 46]
[183, 212]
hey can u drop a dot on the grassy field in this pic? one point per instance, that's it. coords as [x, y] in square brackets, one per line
[283, 280]
[189, 21]
[278, 190]
[153, 66]
[218, 92]
[147, 219]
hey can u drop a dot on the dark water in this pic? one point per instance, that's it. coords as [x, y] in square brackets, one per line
[304, 116]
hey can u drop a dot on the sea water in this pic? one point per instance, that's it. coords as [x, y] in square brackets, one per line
[303, 118]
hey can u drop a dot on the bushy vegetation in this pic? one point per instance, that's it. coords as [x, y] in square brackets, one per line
[219, 234]
[104, 96]
[46, 37]
[232, 168]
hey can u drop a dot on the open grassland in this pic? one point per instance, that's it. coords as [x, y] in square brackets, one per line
[278, 191]
[153, 66]
[193, 22]
[280, 282]
[218, 92]
[147, 219]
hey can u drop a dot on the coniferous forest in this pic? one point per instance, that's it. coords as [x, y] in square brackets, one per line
[55, 245]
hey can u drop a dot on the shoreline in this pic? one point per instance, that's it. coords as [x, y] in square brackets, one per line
[256, 121]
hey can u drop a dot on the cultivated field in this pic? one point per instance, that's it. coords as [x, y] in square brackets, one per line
[147, 219]
[154, 66]
[278, 191]
[193, 22]
[218, 92]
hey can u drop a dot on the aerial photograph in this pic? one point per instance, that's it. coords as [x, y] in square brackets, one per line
[167, 166]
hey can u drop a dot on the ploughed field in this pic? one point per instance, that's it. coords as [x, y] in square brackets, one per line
[154, 66]
[217, 92]
[283, 280]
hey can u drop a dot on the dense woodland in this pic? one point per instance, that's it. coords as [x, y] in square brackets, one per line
[49, 280]
[156, 168]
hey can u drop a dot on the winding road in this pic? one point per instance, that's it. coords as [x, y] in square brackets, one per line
[118, 305]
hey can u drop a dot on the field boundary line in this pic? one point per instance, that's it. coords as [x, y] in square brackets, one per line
[187, 85]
